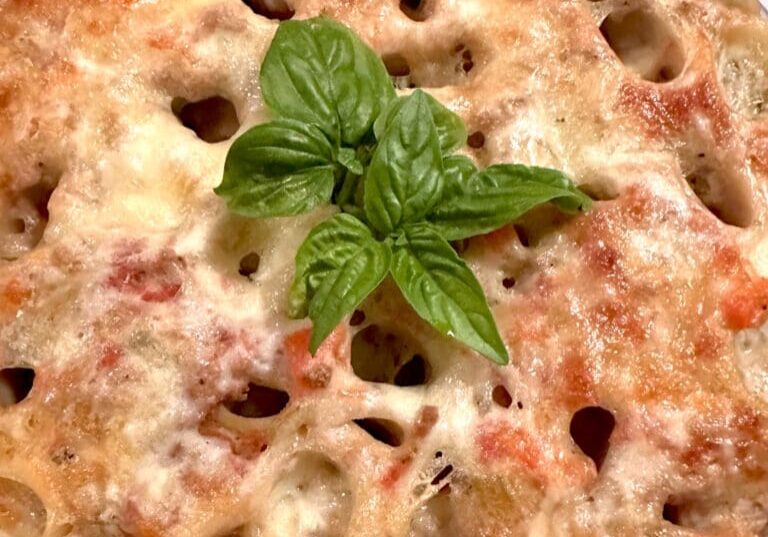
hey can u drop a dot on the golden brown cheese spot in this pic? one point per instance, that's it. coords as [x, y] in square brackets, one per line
[483, 507]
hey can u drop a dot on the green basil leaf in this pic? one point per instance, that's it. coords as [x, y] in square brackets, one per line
[347, 157]
[319, 72]
[347, 189]
[404, 180]
[284, 196]
[450, 128]
[458, 172]
[500, 194]
[355, 211]
[275, 149]
[280, 168]
[344, 289]
[444, 291]
[325, 250]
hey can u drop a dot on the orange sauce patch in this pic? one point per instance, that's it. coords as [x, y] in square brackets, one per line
[394, 472]
[745, 303]
[576, 385]
[14, 294]
[111, 354]
[314, 372]
[667, 109]
[498, 441]
[154, 278]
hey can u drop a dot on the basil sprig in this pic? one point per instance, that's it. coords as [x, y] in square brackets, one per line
[341, 135]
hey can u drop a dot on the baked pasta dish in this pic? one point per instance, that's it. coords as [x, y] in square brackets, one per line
[573, 345]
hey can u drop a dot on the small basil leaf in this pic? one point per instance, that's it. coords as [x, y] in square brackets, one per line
[450, 128]
[280, 168]
[343, 289]
[500, 194]
[288, 195]
[275, 149]
[405, 179]
[347, 157]
[326, 249]
[443, 290]
[319, 72]
[458, 171]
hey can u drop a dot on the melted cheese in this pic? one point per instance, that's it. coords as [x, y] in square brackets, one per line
[130, 307]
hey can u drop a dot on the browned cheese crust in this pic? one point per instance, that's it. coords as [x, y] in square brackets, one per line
[172, 396]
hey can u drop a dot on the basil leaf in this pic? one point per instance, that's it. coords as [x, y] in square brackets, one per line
[325, 250]
[458, 171]
[443, 290]
[450, 128]
[318, 71]
[404, 180]
[280, 168]
[347, 157]
[285, 196]
[500, 194]
[342, 290]
[275, 149]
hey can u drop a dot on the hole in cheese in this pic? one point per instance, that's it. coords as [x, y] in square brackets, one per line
[381, 356]
[535, 228]
[671, 512]
[441, 475]
[213, 119]
[357, 318]
[385, 431]
[476, 140]
[501, 396]
[249, 264]
[399, 70]
[591, 429]
[415, 10]
[522, 235]
[22, 513]
[644, 43]
[466, 63]
[24, 217]
[15, 384]
[413, 372]
[272, 9]
[724, 192]
[260, 402]
[718, 502]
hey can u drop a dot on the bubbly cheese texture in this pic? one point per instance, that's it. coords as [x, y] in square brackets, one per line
[152, 385]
